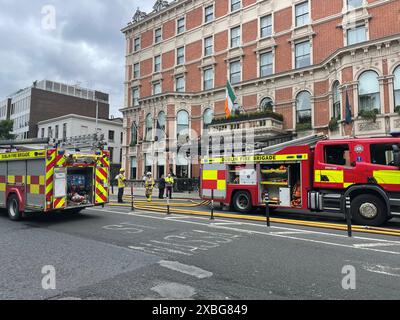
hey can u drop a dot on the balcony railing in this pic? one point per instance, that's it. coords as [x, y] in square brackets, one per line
[382, 126]
[259, 122]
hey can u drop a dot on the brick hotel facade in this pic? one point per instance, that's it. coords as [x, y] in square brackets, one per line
[293, 57]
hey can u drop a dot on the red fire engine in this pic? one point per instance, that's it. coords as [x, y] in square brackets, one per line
[49, 179]
[312, 179]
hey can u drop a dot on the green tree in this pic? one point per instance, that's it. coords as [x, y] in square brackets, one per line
[6, 126]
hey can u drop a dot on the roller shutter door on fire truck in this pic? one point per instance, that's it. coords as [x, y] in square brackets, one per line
[36, 184]
[55, 159]
[214, 178]
[3, 179]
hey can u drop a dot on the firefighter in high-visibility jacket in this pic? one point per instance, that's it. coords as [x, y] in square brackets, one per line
[121, 185]
[149, 185]
[169, 181]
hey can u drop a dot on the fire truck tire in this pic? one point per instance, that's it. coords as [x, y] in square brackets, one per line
[242, 202]
[368, 210]
[13, 208]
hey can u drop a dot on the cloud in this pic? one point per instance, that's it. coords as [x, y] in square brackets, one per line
[86, 46]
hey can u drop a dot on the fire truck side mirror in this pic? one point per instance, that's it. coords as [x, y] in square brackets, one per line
[396, 154]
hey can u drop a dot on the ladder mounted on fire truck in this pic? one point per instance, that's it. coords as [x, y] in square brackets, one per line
[310, 140]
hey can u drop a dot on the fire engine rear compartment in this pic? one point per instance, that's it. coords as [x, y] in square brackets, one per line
[282, 183]
[80, 189]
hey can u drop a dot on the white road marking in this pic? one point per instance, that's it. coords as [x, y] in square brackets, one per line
[157, 250]
[268, 233]
[175, 217]
[183, 268]
[174, 291]
[394, 272]
[249, 224]
[371, 245]
[128, 227]
[309, 240]
[291, 232]
[225, 223]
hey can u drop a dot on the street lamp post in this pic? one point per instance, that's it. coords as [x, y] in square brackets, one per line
[97, 115]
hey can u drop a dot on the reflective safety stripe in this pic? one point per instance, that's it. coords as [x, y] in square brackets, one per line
[23, 155]
[121, 181]
[257, 158]
[210, 174]
[16, 179]
[387, 176]
[35, 184]
[59, 203]
[221, 185]
[334, 176]
[102, 180]
[50, 162]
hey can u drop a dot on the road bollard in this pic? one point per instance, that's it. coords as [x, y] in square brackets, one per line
[168, 207]
[212, 205]
[267, 211]
[348, 217]
[132, 199]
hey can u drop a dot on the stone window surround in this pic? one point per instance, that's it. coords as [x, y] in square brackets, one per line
[326, 64]
[294, 107]
[144, 25]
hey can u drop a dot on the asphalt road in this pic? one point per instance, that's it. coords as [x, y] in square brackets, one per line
[113, 253]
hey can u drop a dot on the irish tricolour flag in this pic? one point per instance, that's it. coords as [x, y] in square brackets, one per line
[230, 99]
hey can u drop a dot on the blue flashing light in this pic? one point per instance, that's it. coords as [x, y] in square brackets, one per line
[395, 134]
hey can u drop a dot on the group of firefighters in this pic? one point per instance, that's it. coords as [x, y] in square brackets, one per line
[149, 183]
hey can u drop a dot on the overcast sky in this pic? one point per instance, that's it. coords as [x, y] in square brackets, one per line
[84, 46]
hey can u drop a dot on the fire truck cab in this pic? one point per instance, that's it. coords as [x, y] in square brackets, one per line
[303, 178]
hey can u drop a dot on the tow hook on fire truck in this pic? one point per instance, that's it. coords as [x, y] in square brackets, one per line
[314, 178]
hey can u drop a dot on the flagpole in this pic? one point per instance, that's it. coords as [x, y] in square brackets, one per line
[353, 131]
[348, 113]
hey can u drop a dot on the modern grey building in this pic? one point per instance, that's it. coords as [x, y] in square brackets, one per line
[48, 99]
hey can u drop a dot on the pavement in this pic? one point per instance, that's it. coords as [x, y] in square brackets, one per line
[113, 253]
[140, 192]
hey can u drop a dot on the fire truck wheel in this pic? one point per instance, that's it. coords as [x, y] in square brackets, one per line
[13, 208]
[242, 202]
[368, 210]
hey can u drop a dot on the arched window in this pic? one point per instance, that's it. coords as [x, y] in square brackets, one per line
[267, 104]
[397, 88]
[149, 127]
[207, 118]
[368, 92]
[336, 110]
[182, 128]
[161, 121]
[134, 133]
[303, 109]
